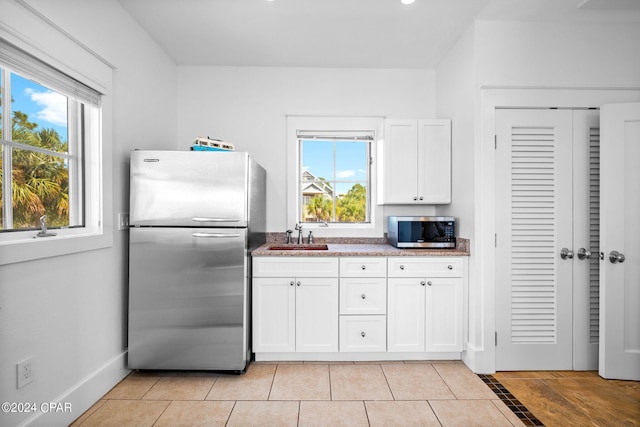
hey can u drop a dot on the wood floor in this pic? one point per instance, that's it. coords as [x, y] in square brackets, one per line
[568, 398]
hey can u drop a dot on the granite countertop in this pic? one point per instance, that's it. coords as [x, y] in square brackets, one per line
[360, 248]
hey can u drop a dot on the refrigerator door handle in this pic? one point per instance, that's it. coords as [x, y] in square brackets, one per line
[214, 235]
[200, 219]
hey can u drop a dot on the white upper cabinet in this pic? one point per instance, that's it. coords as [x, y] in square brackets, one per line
[416, 162]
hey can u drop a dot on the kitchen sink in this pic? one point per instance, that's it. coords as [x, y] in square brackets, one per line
[294, 247]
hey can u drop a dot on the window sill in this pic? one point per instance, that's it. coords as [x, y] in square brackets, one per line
[30, 248]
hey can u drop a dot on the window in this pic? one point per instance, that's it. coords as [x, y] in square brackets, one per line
[49, 134]
[331, 175]
[334, 177]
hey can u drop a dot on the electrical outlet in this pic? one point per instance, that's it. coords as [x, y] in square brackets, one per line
[25, 372]
[123, 220]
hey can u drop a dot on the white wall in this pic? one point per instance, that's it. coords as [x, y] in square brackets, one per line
[69, 312]
[248, 106]
[457, 99]
[571, 55]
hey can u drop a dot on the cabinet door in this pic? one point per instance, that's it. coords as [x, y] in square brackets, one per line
[434, 161]
[406, 314]
[316, 314]
[443, 314]
[400, 165]
[273, 314]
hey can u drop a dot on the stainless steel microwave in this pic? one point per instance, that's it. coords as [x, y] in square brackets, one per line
[422, 231]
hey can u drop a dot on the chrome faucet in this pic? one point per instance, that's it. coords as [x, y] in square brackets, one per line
[299, 228]
[310, 239]
[43, 228]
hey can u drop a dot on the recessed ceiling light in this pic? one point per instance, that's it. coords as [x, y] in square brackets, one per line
[407, 1]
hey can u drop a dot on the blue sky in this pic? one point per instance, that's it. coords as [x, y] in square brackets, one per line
[351, 161]
[45, 107]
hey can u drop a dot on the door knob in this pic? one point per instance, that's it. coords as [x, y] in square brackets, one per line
[615, 256]
[566, 253]
[584, 254]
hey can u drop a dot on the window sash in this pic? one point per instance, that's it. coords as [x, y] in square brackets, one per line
[16, 61]
[333, 137]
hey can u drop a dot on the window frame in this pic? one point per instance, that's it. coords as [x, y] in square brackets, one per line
[77, 123]
[296, 124]
[96, 73]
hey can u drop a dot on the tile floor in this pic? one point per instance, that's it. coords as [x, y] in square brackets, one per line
[305, 394]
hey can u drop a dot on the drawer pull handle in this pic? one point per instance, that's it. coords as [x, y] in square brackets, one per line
[450, 267]
[364, 267]
[429, 283]
[291, 283]
[363, 296]
[298, 283]
[363, 334]
[402, 267]
[422, 283]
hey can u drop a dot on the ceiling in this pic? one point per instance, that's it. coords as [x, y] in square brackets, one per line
[341, 33]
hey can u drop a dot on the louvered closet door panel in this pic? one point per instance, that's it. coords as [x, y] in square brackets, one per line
[586, 227]
[534, 220]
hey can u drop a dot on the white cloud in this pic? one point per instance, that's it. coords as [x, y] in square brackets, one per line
[54, 106]
[340, 174]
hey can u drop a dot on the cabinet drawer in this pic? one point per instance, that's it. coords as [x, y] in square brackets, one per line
[295, 267]
[425, 267]
[363, 267]
[363, 295]
[363, 333]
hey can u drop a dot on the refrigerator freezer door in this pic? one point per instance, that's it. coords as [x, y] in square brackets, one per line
[189, 188]
[188, 300]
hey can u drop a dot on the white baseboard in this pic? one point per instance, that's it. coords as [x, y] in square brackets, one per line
[80, 397]
[479, 360]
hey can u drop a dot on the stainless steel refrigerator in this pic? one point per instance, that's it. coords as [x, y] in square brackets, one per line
[194, 218]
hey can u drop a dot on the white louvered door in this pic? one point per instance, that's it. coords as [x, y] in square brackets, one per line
[533, 219]
[586, 238]
[542, 206]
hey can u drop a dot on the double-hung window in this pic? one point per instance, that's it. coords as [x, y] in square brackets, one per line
[48, 130]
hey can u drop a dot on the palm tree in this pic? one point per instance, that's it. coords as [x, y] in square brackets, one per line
[40, 182]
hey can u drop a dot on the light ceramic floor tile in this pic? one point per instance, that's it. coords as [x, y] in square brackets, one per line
[255, 384]
[301, 382]
[416, 382]
[468, 413]
[195, 414]
[332, 413]
[180, 388]
[462, 382]
[132, 387]
[125, 413]
[264, 414]
[358, 382]
[508, 413]
[87, 413]
[401, 414]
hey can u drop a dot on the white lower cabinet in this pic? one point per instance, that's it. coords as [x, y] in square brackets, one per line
[396, 305]
[295, 313]
[425, 305]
